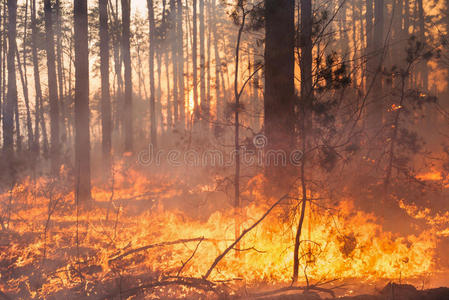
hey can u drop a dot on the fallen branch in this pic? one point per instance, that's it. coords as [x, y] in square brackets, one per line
[294, 288]
[190, 258]
[180, 241]
[223, 254]
[197, 283]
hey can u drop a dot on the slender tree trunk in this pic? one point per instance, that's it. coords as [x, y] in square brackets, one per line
[106, 122]
[169, 103]
[11, 96]
[422, 37]
[159, 91]
[2, 48]
[60, 69]
[118, 68]
[204, 101]
[219, 100]
[181, 85]
[24, 82]
[208, 52]
[82, 134]
[174, 58]
[152, 40]
[24, 79]
[375, 111]
[17, 121]
[306, 103]
[195, 62]
[39, 120]
[237, 149]
[52, 87]
[128, 103]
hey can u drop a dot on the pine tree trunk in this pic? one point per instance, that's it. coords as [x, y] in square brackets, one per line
[60, 69]
[52, 87]
[24, 79]
[279, 73]
[174, 60]
[2, 87]
[24, 82]
[106, 122]
[219, 100]
[39, 120]
[128, 101]
[181, 85]
[11, 96]
[305, 118]
[82, 134]
[152, 40]
[195, 62]
[204, 102]
[422, 36]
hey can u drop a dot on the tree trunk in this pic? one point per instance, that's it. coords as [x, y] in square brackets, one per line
[306, 103]
[60, 69]
[82, 134]
[375, 108]
[24, 81]
[2, 87]
[195, 62]
[422, 36]
[181, 85]
[219, 100]
[39, 120]
[174, 60]
[152, 40]
[279, 73]
[128, 103]
[204, 101]
[106, 123]
[11, 96]
[52, 87]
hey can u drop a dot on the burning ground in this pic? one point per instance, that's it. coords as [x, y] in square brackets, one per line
[146, 236]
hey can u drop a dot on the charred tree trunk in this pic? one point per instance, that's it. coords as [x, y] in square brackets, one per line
[106, 122]
[128, 101]
[52, 87]
[82, 134]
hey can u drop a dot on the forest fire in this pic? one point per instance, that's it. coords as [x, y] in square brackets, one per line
[224, 149]
[56, 251]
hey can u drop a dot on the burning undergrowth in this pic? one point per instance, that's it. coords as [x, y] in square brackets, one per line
[129, 242]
